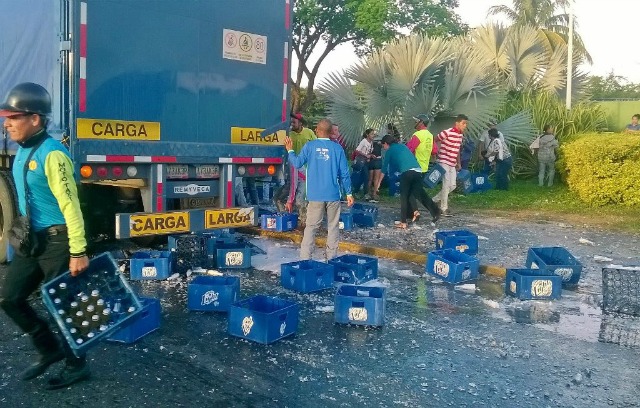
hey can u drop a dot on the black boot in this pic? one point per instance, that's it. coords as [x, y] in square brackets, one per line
[73, 372]
[50, 352]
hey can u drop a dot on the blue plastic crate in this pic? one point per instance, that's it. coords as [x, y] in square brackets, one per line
[151, 265]
[361, 305]
[556, 261]
[480, 182]
[346, 221]
[364, 215]
[393, 180]
[452, 266]
[463, 174]
[147, 322]
[263, 319]
[279, 221]
[354, 269]
[306, 276]
[104, 277]
[233, 256]
[467, 185]
[213, 293]
[433, 176]
[532, 284]
[460, 240]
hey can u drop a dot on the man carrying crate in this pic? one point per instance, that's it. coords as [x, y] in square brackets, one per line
[48, 197]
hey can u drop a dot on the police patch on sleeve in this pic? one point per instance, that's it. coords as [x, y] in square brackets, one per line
[33, 165]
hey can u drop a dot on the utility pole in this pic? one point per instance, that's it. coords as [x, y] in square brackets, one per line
[570, 56]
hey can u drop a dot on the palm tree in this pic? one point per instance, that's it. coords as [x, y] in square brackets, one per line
[541, 14]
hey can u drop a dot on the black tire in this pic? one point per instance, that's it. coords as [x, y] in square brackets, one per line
[8, 212]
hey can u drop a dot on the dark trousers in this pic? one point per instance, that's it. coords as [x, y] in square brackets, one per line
[360, 176]
[503, 167]
[411, 188]
[24, 276]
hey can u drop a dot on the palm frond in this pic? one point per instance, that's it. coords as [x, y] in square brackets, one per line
[490, 40]
[518, 130]
[553, 76]
[344, 106]
[525, 53]
[372, 71]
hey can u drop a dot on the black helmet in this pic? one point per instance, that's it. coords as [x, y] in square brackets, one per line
[27, 97]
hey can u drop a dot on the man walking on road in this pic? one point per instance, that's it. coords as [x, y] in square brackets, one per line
[449, 158]
[421, 143]
[51, 196]
[398, 158]
[326, 168]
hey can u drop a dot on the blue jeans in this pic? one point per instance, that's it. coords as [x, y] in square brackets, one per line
[503, 167]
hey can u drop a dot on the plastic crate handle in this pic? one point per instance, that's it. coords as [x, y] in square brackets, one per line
[283, 316]
[357, 304]
[149, 264]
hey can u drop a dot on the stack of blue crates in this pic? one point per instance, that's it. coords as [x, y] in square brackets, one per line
[364, 215]
[306, 276]
[393, 180]
[263, 319]
[213, 293]
[452, 266]
[461, 240]
[536, 284]
[433, 176]
[354, 269]
[151, 265]
[555, 261]
[147, 322]
[360, 305]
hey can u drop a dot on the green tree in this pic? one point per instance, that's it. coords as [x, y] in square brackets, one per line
[545, 16]
[612, 87]
[321, 25]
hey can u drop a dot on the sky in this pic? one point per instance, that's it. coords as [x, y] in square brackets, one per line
[608, 28]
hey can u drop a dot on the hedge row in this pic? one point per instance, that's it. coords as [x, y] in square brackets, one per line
[604, 168]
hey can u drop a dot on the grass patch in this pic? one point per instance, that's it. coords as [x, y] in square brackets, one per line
[525, 200]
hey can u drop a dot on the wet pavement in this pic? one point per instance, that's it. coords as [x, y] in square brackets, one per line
[440, 346]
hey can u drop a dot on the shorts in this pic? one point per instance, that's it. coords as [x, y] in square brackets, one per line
[375, 164]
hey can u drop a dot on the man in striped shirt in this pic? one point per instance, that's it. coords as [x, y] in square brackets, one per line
[449, 158]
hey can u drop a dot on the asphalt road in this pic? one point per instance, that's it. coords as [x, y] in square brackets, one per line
[439, 347]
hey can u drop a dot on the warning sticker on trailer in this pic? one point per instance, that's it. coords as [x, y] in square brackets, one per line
[108, 129]
[241, 46]
[167, 223]
[254, 136]
[228, 217]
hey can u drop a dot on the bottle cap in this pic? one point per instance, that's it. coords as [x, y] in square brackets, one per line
[95, 293]
[91, 308]
[100, 302]
[84, 298]
[52, 291]
[74, 304]
[62, 285]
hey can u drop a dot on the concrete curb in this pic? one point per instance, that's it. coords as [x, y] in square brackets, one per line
[494, 271]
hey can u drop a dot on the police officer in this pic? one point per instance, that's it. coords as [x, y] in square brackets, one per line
[56, 218]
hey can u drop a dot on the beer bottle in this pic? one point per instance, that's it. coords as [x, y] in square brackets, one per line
[84, 302]
[99, 306]
[74, 332]
[95, 322]
[85, 328]
[79, 317]
[106, 316]
[61, 313]
[90, 336]
[73, 308]
[95, 295]
[131, 309]
[63, 290]
[57, 302]
[79, 341]
[68, 321]
[103, 327]
[90, 309]
[52, 292]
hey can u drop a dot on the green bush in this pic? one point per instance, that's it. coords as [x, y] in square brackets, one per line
[604, 168]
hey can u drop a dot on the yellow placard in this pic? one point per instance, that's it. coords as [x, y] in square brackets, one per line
[108, 129]
[228, 217]
[151, 224]
[241, 135]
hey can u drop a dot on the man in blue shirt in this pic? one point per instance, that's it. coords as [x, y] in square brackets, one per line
[326, 168]
[399, 158]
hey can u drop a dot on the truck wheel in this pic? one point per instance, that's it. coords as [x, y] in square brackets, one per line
[8, 209]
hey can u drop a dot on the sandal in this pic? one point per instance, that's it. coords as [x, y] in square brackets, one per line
[416, 216]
